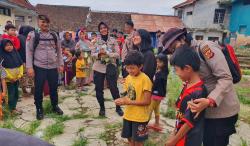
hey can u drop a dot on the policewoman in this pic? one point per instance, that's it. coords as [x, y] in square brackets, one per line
[222, 104]
[44, 62]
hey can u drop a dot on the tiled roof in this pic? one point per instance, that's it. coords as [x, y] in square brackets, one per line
[152, 23]
[23, 3]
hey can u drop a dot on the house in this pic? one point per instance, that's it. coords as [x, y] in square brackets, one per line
[153, 23]
[240, 22]
[205, 19]
[19, 12]
[64, 18]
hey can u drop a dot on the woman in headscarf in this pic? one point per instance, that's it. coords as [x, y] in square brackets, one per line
[26, 83]
[105, 53]
[13, 66]
[84, 45]
[142, 43]
[68, 42]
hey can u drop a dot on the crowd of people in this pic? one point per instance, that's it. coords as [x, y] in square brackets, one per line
[207, 108]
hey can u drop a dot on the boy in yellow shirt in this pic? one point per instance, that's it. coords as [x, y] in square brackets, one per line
[80, 73]
[137, 98]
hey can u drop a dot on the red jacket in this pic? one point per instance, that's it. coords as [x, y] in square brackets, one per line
[15, 40]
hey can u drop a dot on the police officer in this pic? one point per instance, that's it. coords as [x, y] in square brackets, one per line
[222, 105]
[44, 62]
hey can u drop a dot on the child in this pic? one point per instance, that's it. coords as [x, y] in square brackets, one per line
[2, 89]
[137, 100]
[189, 126]
[68, 64]
[13, 66]
[159, 89]
[11, 35]
[80, 73]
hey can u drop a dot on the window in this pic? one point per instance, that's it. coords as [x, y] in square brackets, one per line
[213, 39]
[242, 29]
[190, 13]
[30, 18]
[180, 12]
[219, 16]
[199, 37]
[5, 11]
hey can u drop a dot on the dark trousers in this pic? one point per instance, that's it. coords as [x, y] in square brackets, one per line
[99, 87]
[218, 131]
[13, 95]
[41, 75]
[124, 71]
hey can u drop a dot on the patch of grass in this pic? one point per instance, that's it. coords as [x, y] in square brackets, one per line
[81, 129]
[47, 108]
[244, 113]
[81, 142]
[79, 116]
[174, 88]
[246, 72]
[53, 130]
[243, 94]
[109, 135]
[82, 94]
[243, 142]
[170, 113]
[149, 143]
[33, 126]
[62, 118]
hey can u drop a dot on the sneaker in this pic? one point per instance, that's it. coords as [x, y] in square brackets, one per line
[56, 109]
[119, 112]
[102, 113]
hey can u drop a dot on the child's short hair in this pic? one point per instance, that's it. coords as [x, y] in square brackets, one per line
[9, 26]
[134, 58]
[186, 56]
[78, 54]
[93, 33]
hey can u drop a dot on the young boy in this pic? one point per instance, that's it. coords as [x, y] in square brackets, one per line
[80, 74]
[3, 89]
[11, 35]
[189, 126]
[137, 99]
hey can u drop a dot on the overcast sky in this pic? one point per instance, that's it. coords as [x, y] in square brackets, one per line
[162, 7]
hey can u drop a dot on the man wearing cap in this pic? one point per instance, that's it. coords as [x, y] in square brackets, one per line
[222, 105]
[44, 62]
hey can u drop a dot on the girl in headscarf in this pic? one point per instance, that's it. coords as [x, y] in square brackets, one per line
[13, 66]
[84, 45]
[105, 53]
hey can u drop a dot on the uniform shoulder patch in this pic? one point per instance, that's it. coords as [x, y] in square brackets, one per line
[207, 52]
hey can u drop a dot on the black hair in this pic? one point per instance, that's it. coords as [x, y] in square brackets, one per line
[121, 32]
[130, 23]
[134, 58]
[44, 17]
[25, 30]
[9, 26]
[102, 23]
[115, 30]
[186, 55]
[164, 58]
[93, 33]
[78, 54]
[145, 44]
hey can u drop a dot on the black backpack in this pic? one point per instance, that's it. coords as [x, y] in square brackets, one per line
[37, 39]
[232, 62]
